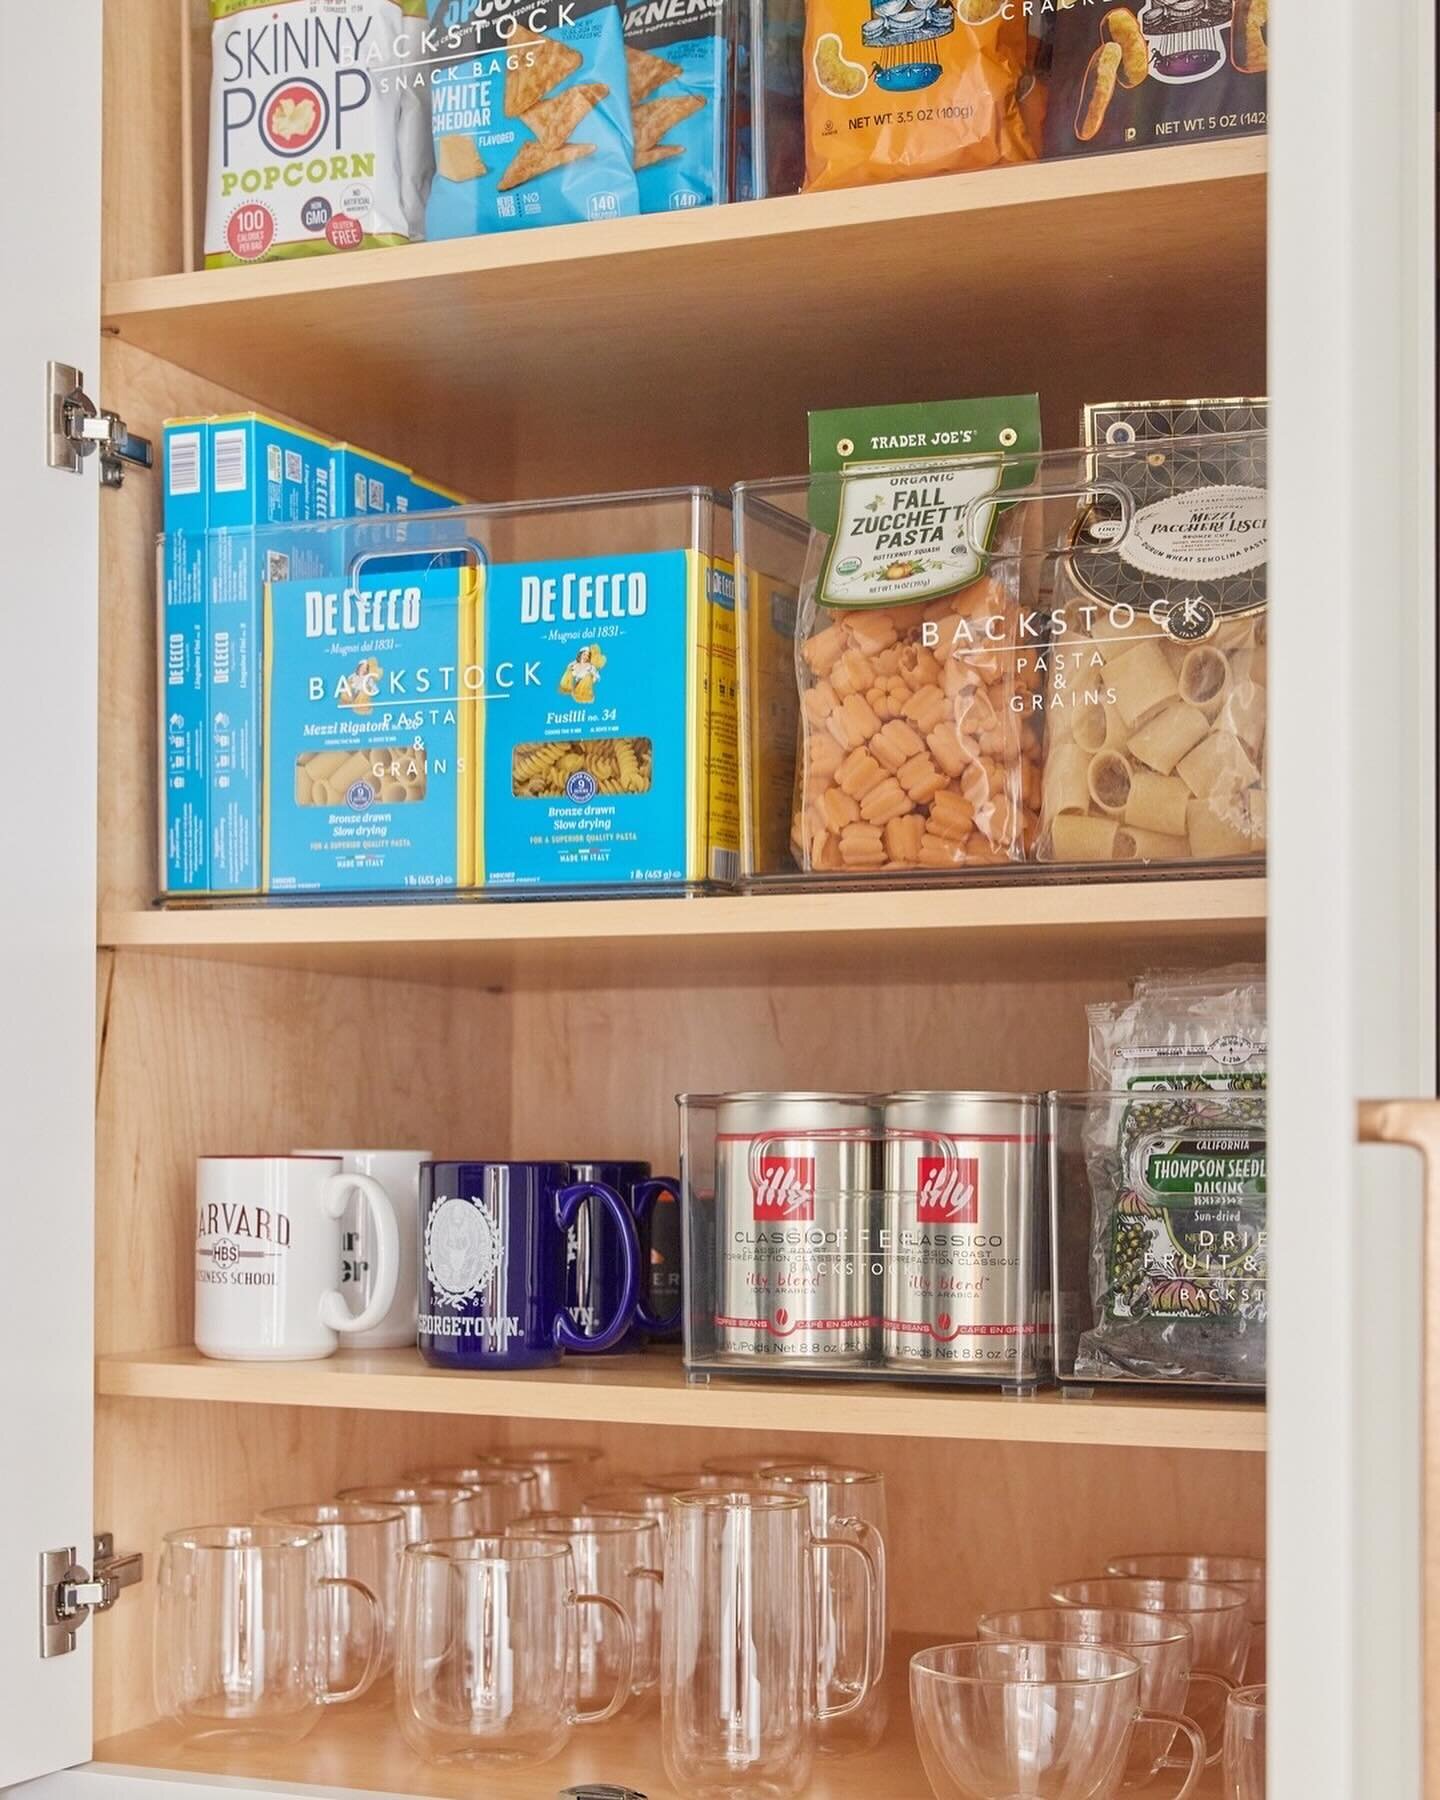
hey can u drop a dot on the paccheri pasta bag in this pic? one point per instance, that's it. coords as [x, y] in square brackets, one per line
[1155, 674]
[318, 128]
[1177, 1174]
[895, 88]
[913, 751]
[1155, 72]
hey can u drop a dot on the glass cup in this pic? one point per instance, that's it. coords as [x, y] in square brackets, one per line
[432, 1508]
[746, 1463]
[741, 1689]
[618, 1555]
[845, 1503]
[997, 1720]
[562, 1471]
[363, 1542]
[499, 1492]
[1162, 1646]
[686, 1481]
[1215, 1615]
[1244, 1768]
[485, 1662]
[240, 1646]
[1244, 1572]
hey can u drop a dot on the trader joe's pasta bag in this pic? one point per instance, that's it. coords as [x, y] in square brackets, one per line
[895, 88]
[318, 134]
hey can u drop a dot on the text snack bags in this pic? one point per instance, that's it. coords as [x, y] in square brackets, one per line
[317, 136]
[532, 126]
[677, 77]
[917, 88]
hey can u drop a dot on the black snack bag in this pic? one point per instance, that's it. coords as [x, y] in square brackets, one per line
[1124, 77]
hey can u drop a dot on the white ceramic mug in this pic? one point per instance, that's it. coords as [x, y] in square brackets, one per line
[398, 1172]
[267, 1256]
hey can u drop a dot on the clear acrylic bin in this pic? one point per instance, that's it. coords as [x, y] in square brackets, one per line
[1158, 1236]
[860, 1235]
[536, 698]
[1042, 666]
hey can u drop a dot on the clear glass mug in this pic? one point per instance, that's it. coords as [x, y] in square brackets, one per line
[741, 1690]
[1244, 1572]
[618, 1555]
[1162, 1646]
[363, 1542]
[485, 1658]
[844, 1503]
[745, 1465]
[1216, 1616]
[562, 1471]
[996, 1720]
[499, 1492]
[1244, 1770]
[432, 1509]
[241, 1650]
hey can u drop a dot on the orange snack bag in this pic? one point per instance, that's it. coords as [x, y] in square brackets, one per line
[895, 88]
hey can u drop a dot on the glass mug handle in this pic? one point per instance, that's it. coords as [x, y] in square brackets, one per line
[334, 1198]
[871, 1671]
[1175, 1722]
[646, 1194]
[376, 1654]
[598, 1715]
[871, 1537]
[568, 1202]
[1226, 1687]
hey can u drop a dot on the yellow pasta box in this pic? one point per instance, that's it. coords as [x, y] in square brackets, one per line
[370, 697]
[614, 758]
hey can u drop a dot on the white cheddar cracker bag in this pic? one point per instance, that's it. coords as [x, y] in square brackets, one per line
[318, 139]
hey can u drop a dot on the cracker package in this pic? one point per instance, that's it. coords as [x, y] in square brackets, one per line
[679, 65]
[1155, 72]
[317, 129]
[369, 697]
[925, 87]
[531, 121]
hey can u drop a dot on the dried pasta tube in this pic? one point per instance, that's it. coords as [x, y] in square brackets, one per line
[1172, 733]
[1098, 726]
[1109, 782]
[1082, 839]
[303, 786]
[1205, 679]
[1157, 803]
[1213, 833]
[321, 764]
[1067, 781]
[1134, 845]
[1218, 765]
[321, 794]
[1141, 681]
[394, 793]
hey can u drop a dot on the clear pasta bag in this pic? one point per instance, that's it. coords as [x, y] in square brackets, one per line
[1174, 1142]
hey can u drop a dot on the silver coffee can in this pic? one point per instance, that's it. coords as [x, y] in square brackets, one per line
[959, 1235]
[797, 1219]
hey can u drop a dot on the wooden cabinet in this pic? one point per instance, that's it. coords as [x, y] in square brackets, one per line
[688, 349]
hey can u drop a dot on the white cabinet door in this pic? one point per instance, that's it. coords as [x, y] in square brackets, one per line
[50, 274]
[1352, 941]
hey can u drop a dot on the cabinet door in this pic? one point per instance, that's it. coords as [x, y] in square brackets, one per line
[1352, 942]
[49, 148]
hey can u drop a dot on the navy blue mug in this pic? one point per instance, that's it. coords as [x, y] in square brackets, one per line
[493, 1240]
[594, 1256]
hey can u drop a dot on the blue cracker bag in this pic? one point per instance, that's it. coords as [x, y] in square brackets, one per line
[677, 57]
[533, 126]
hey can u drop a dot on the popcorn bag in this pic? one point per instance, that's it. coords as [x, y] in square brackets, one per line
[895, 88]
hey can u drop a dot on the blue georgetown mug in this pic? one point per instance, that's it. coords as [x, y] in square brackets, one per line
[594, 1255]
[493, 1241]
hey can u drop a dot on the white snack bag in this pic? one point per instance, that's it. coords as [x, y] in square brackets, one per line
[317, 139]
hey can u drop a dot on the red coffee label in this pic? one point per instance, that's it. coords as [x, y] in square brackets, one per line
[948, 1190]
[785, 1188]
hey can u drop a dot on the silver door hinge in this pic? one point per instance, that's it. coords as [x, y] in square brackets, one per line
[68, 1595]
[75, 426]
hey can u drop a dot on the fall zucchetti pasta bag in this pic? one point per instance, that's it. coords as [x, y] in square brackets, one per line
[895, 88]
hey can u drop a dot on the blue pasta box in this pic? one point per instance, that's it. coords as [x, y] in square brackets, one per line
[679, 64]
[613, 759]
[369, 704]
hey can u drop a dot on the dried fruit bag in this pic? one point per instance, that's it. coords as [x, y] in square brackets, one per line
[1177, 1170]
[895, 88]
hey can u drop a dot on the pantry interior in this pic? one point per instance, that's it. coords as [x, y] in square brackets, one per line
[650, 351]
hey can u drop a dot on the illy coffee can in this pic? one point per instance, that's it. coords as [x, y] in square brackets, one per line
[796, 1217]
[959, 1239]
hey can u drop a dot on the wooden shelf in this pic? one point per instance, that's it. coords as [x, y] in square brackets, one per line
[365, 1750]
[1032, 929]
[651, 1390]
[517, 334]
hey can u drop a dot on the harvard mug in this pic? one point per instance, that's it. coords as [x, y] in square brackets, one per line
[267, 1256]
[595, 1261]
[494, 1237]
